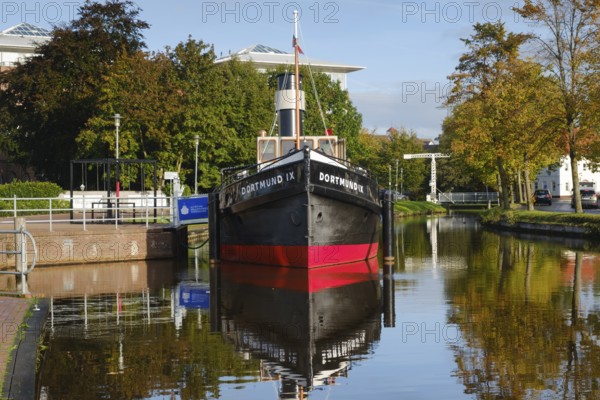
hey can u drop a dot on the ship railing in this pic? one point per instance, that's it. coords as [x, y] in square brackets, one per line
[234, 174]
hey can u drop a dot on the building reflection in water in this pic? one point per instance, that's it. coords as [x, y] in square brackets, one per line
[305, 325]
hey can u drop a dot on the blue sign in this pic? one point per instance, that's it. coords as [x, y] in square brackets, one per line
[194, 295]
[193, 210]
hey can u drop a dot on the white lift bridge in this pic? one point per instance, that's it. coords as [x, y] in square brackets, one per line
[433, 157]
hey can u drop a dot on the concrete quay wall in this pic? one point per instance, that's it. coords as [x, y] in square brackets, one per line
[98, 244]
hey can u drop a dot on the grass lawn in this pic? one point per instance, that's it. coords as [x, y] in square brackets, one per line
[406, 208]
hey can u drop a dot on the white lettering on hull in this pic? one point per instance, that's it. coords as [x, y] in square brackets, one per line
[343, 182]
[267, 183]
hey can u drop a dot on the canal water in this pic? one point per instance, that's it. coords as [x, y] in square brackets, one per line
[466, 313]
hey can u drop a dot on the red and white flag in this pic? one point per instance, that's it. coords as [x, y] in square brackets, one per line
[295, 44]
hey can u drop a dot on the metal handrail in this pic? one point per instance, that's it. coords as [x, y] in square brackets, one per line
[22, 251]
[49, 213]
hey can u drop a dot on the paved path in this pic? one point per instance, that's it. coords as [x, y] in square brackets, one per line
[12, 313]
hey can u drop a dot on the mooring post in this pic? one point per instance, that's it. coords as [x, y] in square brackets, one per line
[388, 227]
[215, 297]
[214, 253]
[389, 305]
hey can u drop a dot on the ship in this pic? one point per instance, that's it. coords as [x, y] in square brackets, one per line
[303, 204]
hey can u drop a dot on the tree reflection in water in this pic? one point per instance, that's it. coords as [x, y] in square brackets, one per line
[524, 333]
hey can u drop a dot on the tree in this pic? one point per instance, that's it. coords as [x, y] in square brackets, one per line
[327, 107]
[380, 152]
[166, 99]
[501, 122]
[51, 96]
[225, 104]
[141, 88]
[573, 37]
[336, 111]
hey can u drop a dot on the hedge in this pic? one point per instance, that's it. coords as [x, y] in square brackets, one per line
[30, 190]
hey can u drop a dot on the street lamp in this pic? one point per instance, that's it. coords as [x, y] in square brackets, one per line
[197, 141]
[396, 188]
[401, 180]
[117, 125]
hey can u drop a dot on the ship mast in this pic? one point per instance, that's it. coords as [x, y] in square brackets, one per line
[296, 63]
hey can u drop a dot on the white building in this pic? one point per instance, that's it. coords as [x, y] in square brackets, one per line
[559, 181]
[18, 43]
[266, 58]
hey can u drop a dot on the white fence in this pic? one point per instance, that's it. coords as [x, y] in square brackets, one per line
[89, 208]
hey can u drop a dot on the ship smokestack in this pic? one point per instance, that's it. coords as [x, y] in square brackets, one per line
[285, 104]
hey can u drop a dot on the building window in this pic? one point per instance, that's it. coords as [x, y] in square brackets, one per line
[553, 186]
[567, 186]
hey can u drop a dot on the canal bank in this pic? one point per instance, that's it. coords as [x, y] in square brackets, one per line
[99, 243]
[21, 322]
[543, 222]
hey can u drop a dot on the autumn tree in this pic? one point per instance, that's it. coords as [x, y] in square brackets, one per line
[571, 38]
[50, 97]
[501, 120]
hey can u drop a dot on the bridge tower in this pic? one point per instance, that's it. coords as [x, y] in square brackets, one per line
[432, 182]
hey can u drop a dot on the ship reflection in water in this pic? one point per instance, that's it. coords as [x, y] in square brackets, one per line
[213, 331]
[307, 326]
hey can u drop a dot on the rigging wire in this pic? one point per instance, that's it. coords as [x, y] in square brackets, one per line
[316, 94]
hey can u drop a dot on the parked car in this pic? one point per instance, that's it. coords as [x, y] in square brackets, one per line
[397, 196]
[542, 196]
[589, 199]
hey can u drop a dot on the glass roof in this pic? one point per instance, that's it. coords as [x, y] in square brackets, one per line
[26, 29]
[261, 48]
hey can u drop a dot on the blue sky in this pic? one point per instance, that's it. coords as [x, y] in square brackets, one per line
[407, 47]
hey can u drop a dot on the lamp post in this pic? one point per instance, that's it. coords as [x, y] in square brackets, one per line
[117, 169]
[401, 180]
[117, 125]
[396, 188]
[390, 176]
[197, 141]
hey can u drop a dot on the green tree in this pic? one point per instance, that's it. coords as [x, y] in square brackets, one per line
[141, 88]
[327, 107]
[225, 104]
[51, 96]
[379, 153]
[572, 26]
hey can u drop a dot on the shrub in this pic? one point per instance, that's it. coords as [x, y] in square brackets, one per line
[30, 190]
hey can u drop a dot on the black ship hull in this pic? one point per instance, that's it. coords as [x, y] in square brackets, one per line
[304, 210]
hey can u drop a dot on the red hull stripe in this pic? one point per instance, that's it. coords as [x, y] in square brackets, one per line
[301, 279]
[299, 256]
